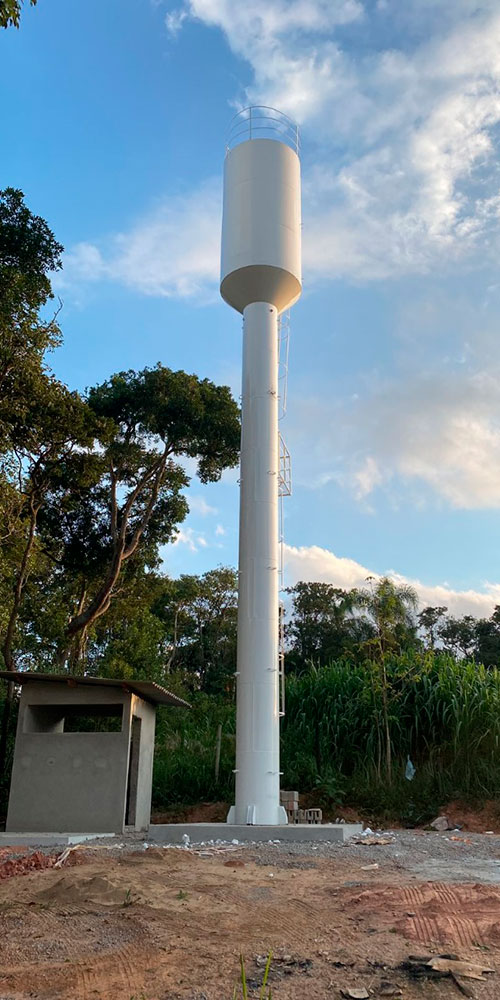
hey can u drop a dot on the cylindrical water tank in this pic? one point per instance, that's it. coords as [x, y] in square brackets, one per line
[261, 229]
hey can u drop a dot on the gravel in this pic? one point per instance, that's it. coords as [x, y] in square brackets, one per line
[451, 856]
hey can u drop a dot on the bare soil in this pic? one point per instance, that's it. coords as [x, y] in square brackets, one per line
[170, 924]
[474, 818]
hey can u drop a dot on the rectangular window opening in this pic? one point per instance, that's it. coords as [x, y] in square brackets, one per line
[73, 718]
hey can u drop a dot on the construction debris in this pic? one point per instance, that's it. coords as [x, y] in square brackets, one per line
[448, 964]
[356, 994]
[445, 966]
[440, 824]
[37, 861]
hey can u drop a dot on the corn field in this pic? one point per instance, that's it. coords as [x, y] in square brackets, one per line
[441, 713]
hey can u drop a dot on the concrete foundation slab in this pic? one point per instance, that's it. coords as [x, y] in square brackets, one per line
[173, 833]
[47, 839]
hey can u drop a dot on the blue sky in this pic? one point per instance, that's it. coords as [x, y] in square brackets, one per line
[114, 127]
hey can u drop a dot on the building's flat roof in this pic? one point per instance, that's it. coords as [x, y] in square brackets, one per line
[148, 690]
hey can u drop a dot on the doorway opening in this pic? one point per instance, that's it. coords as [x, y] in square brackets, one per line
[133, 771]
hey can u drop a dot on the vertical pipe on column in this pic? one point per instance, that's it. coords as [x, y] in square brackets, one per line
[257, 691]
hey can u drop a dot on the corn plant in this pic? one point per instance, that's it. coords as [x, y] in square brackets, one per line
[263, 995]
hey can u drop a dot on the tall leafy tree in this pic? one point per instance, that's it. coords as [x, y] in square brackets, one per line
[430, 619]
[29, 253]
[391, 608]
[159, 418]
[322, 626]
[200, 618]
[458, 635]
[54, 424]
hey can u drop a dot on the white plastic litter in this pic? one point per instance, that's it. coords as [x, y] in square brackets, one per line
[410, 771]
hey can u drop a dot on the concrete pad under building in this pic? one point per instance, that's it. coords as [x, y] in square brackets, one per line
[67, 776]
[173, 833]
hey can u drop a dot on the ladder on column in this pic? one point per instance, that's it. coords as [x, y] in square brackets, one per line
[284, 489]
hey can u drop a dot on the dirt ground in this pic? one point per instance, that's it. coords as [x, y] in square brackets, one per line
[166, 924]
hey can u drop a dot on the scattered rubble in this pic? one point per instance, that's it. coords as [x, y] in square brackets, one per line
[440, 824]
[37, 861]
[356, 994]
[445, 967]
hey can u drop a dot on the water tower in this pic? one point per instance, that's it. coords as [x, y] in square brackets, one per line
[260, 278]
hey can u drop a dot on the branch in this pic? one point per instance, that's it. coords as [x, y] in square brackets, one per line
[114, 508]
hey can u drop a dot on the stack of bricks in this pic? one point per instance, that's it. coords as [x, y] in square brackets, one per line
[290, 802]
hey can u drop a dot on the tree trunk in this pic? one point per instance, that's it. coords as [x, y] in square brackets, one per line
[18, 591]
[9, 635]
[123, 549]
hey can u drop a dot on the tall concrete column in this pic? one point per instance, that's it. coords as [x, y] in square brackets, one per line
[257, 686]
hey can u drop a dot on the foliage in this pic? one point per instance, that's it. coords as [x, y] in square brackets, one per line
[157, 417]
[184, 766]
[29, 252]
[322, 624]
[443, 713]
[10, 12]
[200, 616]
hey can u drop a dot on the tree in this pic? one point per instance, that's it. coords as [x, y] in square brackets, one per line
[200, 618]
[487, 636]
[322, 626]
[130, 639]
[458, 635]
[391, 609]
[10, 12]
[29, 252]
[429, 619]
[158, 418]
[55, 422]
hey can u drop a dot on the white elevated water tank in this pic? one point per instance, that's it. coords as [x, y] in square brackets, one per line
[260, 277]
[261, 229]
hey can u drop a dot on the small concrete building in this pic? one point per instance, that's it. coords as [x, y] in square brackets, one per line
[83, 758]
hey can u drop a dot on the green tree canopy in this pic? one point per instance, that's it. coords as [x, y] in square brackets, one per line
[158, 418]
[29, 253]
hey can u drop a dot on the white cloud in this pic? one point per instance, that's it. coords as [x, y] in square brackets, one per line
[220, 530]
[313, 563]
[192, 539]
[171, 252]
[441, 430]
[400, 127]
[198, 505]
[400, 124]
[174, 21]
